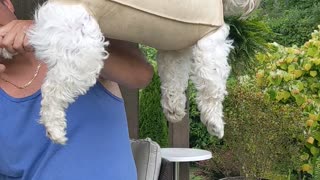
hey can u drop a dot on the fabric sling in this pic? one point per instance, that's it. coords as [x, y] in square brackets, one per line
[165, 24]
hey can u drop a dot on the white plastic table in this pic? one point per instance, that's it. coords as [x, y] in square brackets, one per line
[178, 155]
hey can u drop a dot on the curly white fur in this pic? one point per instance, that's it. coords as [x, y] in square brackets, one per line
[70, 42]
[5, 54]
[173, 69]
[209, 74]
[207, 63]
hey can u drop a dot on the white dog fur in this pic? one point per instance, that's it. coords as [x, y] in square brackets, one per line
[70, 42]
[5, 54]
[74, 59]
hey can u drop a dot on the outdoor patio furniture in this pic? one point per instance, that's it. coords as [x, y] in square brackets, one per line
[149, 163]
[178, 155]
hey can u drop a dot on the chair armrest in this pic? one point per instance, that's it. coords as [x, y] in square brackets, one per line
[165, 170]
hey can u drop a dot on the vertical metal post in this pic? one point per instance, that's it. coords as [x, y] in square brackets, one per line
[176, 171]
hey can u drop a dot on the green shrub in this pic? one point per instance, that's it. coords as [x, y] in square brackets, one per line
[249, 36]
[149, 52]
[292, 21]
[260, 137]
[296, 26]
[224, 165]
[290, 75]
[152, 122]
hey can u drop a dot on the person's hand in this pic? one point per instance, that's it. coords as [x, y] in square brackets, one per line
[4, 54]
[13, 36]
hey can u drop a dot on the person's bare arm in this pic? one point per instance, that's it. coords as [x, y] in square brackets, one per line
[127, 65]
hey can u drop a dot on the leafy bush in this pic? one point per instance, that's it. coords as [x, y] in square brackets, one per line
[291, 20]
[249, 36]
[260, 137]
[290, 75]
[152, 122]
[224, 165]
[150, 53]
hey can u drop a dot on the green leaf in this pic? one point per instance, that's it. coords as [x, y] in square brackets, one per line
[314, 151]
[313, 73]
[297, 73]
[283, 95]
[316, 61]
[304, 157]
[284, 66]
[287, 77]
[312, 51]
[299, 99]
[314, 87]
[307, 66]
[291, 68]
[316, 135]
[272, 94]
[300, 85]
[277, 80]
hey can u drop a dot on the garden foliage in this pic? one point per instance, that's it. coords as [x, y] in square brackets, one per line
[248, 36]
[291, 75]
[292, 21]
[260, 136]
[152, 122]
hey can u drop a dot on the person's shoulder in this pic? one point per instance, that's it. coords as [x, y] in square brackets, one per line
[111, 86]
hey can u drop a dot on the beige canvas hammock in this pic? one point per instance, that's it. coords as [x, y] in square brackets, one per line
[163, 24]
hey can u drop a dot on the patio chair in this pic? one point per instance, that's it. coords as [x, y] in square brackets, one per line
[149, 164]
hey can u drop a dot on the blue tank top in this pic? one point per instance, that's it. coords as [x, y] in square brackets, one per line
[98, 147]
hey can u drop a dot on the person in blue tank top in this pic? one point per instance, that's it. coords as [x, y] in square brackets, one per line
[98, 147]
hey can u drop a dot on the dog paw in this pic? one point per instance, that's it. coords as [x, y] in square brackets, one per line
[173, 105]
[174, 116]
[215, 127]
[55, 128]
[58, 136]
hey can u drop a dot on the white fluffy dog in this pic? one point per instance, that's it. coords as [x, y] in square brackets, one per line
[69, 40]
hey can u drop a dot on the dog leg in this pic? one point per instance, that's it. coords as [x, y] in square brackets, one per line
[70, 42]
[209, 72]
[173, 69]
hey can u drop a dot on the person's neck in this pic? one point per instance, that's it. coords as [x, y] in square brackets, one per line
[20, 70]
[20, 63]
